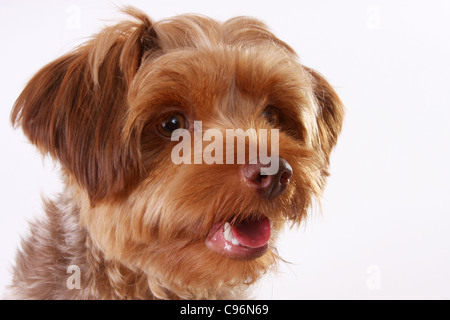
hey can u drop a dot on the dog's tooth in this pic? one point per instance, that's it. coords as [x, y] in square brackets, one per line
[227, 232]
[228, 235]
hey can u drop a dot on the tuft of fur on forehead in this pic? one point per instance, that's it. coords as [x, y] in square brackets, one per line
[136, 222]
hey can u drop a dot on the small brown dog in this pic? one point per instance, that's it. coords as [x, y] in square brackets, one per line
[131, 223]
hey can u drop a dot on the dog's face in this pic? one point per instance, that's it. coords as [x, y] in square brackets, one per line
[108, 113]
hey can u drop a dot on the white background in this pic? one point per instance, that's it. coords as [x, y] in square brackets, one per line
[384, 228]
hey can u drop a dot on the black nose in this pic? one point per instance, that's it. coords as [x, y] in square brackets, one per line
[267, 186]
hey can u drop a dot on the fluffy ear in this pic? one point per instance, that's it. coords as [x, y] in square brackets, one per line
[75, 107]
[330, 115]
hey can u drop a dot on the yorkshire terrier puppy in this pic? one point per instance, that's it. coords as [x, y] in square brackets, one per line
[132, 223]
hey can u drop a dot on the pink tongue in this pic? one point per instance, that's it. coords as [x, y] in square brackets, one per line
[252, 234]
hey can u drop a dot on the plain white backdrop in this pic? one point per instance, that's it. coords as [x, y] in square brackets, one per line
[384, 228]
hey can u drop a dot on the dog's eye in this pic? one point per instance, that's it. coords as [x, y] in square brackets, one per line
[272, 115]
[171, 123]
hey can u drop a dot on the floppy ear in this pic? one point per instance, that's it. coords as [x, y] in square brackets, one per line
[330, 115]
[75, 107]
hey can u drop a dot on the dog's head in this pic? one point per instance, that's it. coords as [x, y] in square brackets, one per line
[109, 110]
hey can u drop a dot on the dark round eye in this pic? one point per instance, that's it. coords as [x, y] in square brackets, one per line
[272, 115]
[171, 123]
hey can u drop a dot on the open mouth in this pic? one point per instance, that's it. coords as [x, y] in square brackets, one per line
[248, 239]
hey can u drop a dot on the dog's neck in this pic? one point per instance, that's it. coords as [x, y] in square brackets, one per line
[111, 279]
[82, 273]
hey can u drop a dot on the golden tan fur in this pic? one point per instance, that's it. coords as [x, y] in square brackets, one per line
[134, 222]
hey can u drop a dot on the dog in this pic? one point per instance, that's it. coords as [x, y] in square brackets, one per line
[131, 223]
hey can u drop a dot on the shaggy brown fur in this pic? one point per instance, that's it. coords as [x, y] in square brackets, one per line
[132, 221]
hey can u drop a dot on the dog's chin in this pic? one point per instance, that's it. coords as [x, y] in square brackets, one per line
[246, 240]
